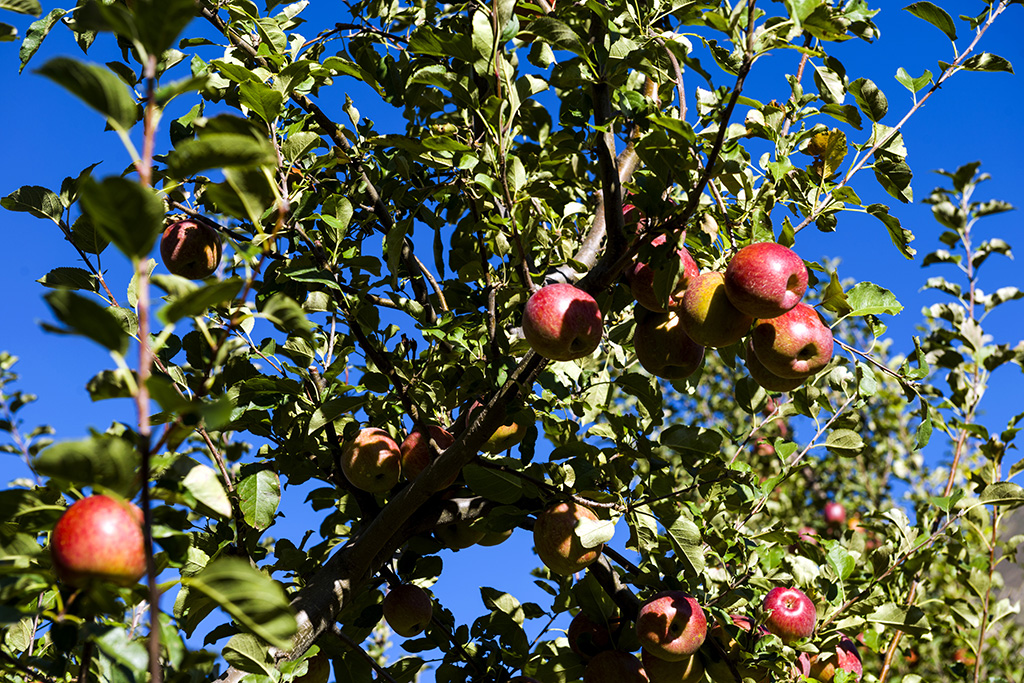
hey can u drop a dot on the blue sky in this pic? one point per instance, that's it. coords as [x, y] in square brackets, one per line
[976, 116]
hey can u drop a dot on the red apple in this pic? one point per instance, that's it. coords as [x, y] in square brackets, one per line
[844, 658]
[707, 314]
[663, 347]
[791, 614]
[373, 461]
[562, 322]
[407, 609]
[671, 625]
[588, 637]
[99, 539]
[689, 670]
[614, 666]
[765, 280]
[555, 539]
[417, 452]
[641, 280]
[796, 344]
[835, 513]
[765, 379]
[190, 249]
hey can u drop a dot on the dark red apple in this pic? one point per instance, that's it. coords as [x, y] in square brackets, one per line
[562, 322]
[318, 669]
[190, 249]
[845, 657]
[373, 461]
[663, 347]
[555, 539]
[671, 626]
[689, 670]
[765, 280]
[791, 614]
[765, 379]
[417, 452]
[588, 637]
[614, 666]
[99, 539]
[641, 279]
[796, 344]
[707, 314]
[407, 609]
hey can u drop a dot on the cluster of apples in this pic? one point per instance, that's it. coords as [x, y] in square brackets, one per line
[757, 296]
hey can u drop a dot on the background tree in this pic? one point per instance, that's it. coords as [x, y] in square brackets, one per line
[349, 280]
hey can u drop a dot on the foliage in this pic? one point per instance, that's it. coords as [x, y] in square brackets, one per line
[378, 279]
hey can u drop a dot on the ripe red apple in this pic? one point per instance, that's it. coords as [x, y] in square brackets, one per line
[765, 379]
[417, 452]
[796, 344]
[765, 280]
[588, 637]
[407, 609]
[671, 625]
[99, 539]
[844, 658]
[723, 650]
[190, 249]
[614, 666]
[555, 539]
[707, 314]
[562, 322]
[689, 670]
[373, 461]
[663, 347]
[791, 614]
[641, 280]
[835, 513]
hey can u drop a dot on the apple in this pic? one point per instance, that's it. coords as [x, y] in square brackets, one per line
[489, 537]
[99, 539]
[458, 535]
[722, 652]
[614, 666]
[689, 670]
[407, 609]
[796, 344]
[764, 280]
[707, 314]
[844, 658]
[663, 347]
[671, 625]
[588, 637]
[765, 379]
[190, 249]
[791, 614]
[511, 432]
[417, 452]
[555, 539]
[318, 669]
[562, 322]
[641, 280]
[373, 461]
[835, 513]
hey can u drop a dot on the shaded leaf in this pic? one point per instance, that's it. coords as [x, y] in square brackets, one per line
[987, 62]
[869, 98]
[70, 278]
[934, 15]
[1003, 493]
[105, 461]
[259, 495]
[35, 34]
[127, 214]
[22, 6]
[245, 652]
[96, 86]
[86, 317]
[496, 485]
[196, 302]
[219, 150]
[38, 201]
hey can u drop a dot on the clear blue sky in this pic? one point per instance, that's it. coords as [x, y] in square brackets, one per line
[976, 116]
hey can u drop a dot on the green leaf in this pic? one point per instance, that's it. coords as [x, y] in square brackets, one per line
[97, 86]
[88, 318]
[845, 442]
[262, 99]
[127, 214]
[106, 461]
[869, 98]
[900, 236]
[496, 485]
[689, 546]
[285, 314]
[245, 652]
[8, 33]
[160, 22]
[594, 532]
[934, 15]
[204, 485]
[1003, 493]
[255, 601]
[847, 113]
[867, 298]
[913, 84]
[258, 497]
[840, 560]
[911, 621]
[195, 302]
[332, 409]
[37, 31]
[22, 6]
[895, 177]
[987, 62]
[680, 437]
[122, 648]
[70, 278]
[38, 201]
[219, 150]
[558, 34]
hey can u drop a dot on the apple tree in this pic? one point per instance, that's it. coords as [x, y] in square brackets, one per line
[438, 323]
